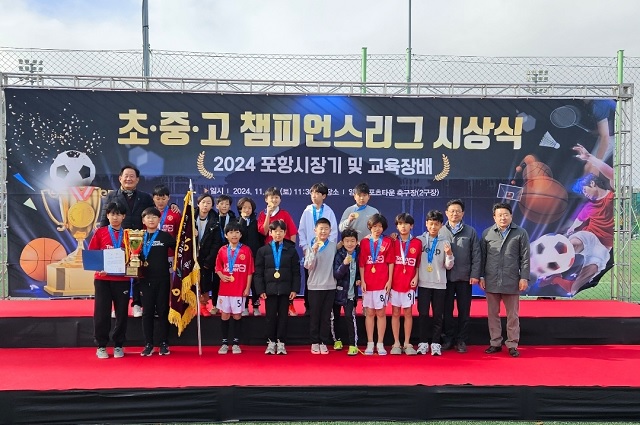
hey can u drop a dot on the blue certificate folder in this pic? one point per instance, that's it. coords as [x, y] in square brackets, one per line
[100, 260]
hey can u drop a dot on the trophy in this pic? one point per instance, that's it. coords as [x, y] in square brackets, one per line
[133, 247]
[79, 209]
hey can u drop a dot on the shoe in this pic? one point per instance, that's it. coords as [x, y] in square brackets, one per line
[380, 349]
[203, 311]
[137, 311]
[337, 345]
[245, 312]
[292, 310]
[423, 348]
[235, 349]
[409, 350]
[280, 348]
[461, 347]
[353, 351]
[493, 349]
[315, 348]
[436, 349]
[271, 348]
[101, 353]
[447, 346]
[113, 314]
[369, 350]
[118, 353]
[513, 352]
[324, 349]
[147, 350]
[396, 350]
[214, 311]
[164, 349]
[256, 311]
[224, 349]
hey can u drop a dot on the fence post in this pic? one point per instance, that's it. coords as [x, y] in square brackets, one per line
[363, 66]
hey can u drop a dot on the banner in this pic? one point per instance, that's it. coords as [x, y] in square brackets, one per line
[65, 149]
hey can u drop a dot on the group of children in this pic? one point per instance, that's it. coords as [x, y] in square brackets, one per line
[257, 254]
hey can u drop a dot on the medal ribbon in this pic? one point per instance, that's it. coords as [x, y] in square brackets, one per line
[432, 251]
[232, 258]
[319, 214]
[277, 254]
[404, 251]
[360, 208]
[313, 241]
[148, 243]
[222, 226]
[116, 242]
[375, 250]
[164, 217]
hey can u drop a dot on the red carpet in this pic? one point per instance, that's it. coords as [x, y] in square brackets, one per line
[78, 368]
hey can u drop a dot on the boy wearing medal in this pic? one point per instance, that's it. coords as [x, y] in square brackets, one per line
[376, 269]
[110, 289]
[321, 286]
[407, 251]
[170, 219]
[234, 267]
[436, 259]
[155, 281]
[357, 216]
[347, 274]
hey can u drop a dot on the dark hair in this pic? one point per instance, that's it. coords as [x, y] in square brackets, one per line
[405, 218]
[435, 215]
[375, 219]
[131, 167]
[455, 202]
[361, 188]
[151, 211]
[242, 201]
[323, 220]
[272, 191]
[502, 205]
[223, 198]
[115, 208]
[586, 180]
[231, 227]
[160, 190]
[204, 195]
[349, 233]
[321, 188]
[278, 223]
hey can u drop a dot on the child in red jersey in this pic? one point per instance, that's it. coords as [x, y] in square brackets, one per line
[234, 266]
[170, 219]
[376, 264]
[407, 251]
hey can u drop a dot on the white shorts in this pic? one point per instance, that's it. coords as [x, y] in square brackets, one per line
[594, 252]
[230, 305]
[375, 299]
[403, 299]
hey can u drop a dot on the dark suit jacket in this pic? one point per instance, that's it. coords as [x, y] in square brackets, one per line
[133, 217]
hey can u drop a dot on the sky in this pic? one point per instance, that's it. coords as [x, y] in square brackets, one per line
[443, 27]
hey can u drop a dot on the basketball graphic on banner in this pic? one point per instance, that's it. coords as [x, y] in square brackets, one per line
[543, 200]
[38, 254]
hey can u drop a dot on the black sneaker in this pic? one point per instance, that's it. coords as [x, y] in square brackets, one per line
[164, 349]
[147, 351]
[461, 347]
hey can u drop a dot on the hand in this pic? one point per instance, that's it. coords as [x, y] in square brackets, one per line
[414, 282]
[358, 283]
[473, 281]
[347, 260]
[352, 217]
[263, 296]
[224, 278]
[387, 287]
[447, 248]
[393, 236]
[363, 285]
[245, 293]
[102, 273]
[523, 284]
[292, 296]
[175, 209]
[270, 209]
[483, 284]
[582, 153]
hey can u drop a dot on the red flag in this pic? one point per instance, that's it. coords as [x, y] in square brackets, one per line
[183, 302]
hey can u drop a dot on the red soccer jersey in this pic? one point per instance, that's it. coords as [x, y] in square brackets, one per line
[292, 229]
[102, 240]
[171, 225]
[404, 272]
[376, 281]
[242, 269]
[599, 217]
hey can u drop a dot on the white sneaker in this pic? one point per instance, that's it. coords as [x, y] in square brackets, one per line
[235, 349]
[256, 311]
[315, 348]
[271, 348]
[245, 312]
[224, 349]
[118, 353]
[137, 311]
[436, 349]
[101, 353]
[369, 350]
[380, 349]
[324, 349]
[280, 348]
[423, 348]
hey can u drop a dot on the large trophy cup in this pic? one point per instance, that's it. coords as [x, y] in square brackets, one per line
[133, 245]
[79, 212]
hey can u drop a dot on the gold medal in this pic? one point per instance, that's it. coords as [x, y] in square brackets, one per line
[429, 268]
[276, 274]
[81, 215]
[356, 215]
[146, 264]
[231, 278]
[373, 269]
[349, 258]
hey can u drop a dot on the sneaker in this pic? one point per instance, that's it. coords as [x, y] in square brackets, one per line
[447, 345]
[423, 348]
[337, 345]
[280, 348]
[203, 311]
[271, 348]
[409, 350]
[224, 349]
[369, 350]
[324, 349]
[353, 351]
[381, 350]
[214, 311]
[147, 350]
[101, 353]
[137, 311]
[461, 347]
[235, 349]
[245, 312]
[113, 314]
[292, 310]
[256, 311]
[118, 353]
[315, 348]
[396, 350]
[164, 349]
[436, 349]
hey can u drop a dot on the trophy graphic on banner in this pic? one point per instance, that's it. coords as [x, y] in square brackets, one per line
[133, 246]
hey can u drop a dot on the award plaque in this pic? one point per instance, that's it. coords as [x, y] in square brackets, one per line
[133, 240]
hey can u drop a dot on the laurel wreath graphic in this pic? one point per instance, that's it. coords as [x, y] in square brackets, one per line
[200, 165]
[445, 169]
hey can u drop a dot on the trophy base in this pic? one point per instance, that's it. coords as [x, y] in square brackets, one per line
[69, 282]
[132, 271]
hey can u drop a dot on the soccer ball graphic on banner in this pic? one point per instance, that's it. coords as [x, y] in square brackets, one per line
[72, 168]
[551, 254]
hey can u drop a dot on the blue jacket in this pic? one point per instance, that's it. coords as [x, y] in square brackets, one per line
[341, 273]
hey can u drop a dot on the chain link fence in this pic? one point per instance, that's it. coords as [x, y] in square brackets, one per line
[541, 72]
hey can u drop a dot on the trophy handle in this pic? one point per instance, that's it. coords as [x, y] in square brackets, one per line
[61, 225]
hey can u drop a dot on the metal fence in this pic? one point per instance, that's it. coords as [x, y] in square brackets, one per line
[528, 76]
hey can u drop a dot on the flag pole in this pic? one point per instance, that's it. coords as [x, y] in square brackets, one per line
[194, 232]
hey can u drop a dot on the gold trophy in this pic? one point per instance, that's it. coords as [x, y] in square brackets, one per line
[79, 211]
[133, 246]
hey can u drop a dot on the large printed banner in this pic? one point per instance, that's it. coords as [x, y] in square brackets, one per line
[66, 147]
